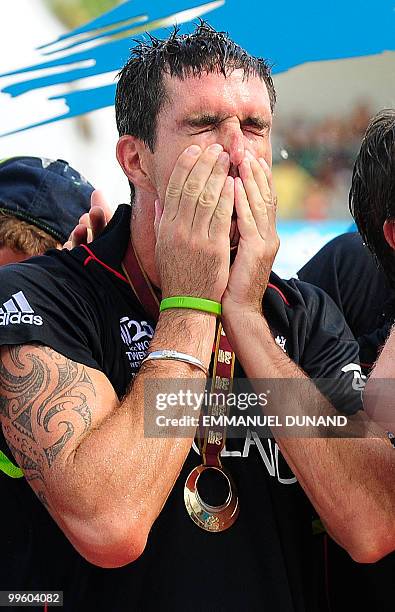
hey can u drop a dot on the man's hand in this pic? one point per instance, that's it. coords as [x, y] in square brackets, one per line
[91, 224]
[258, 243]
[192, 249]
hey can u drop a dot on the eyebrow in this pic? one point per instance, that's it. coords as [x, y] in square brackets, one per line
[207, 119]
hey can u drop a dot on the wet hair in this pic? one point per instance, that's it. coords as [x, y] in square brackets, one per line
[141, 92]
[372, 194]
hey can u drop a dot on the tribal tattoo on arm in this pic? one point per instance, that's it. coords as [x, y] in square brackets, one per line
[46, 405]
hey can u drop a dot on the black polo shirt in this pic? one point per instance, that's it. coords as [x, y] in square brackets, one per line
[349, 273]
[80, 304]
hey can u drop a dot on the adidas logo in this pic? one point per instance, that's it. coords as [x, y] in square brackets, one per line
[18, 310]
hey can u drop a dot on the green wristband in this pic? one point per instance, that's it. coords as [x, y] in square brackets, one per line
[194, 303]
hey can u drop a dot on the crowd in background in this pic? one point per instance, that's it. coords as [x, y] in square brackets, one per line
[313, 164]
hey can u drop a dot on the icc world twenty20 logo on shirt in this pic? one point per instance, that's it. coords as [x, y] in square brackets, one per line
[136, 335]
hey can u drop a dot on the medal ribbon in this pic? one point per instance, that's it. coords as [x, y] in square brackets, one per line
[211, 438]
[140, 283]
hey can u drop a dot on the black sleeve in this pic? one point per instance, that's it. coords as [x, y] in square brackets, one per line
[371, 344]
[331, 354]
[347, 271]
[38, 307]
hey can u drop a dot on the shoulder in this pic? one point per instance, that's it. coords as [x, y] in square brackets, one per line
[44, 280]
[305, 311]
[311, 315]
[42, 302]
[345, 257]
[295, 296]
[53, 267]
[349, 244]
[320, 309]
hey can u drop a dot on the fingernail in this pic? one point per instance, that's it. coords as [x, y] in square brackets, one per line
[223, 158]
[194, 150]
[215, 148]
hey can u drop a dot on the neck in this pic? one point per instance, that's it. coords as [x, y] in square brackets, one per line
[143, 236]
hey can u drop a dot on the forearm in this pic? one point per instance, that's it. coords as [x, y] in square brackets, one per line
[349, 481]
[85, 454]
[117, 470]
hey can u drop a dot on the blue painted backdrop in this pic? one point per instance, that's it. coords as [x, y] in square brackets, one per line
[288, 33]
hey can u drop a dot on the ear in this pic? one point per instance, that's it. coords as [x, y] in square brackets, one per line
[389, 232]
[132, 157]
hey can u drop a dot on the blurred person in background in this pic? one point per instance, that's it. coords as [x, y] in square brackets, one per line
[43, 202]
[323, 152]
[358, 271]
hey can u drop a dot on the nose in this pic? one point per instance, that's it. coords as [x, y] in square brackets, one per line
[232, 140]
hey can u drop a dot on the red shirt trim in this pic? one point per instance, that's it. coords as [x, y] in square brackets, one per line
[280, 292]
[92, 257]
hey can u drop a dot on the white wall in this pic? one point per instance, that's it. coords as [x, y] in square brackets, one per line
[93, 156]
[334, 87]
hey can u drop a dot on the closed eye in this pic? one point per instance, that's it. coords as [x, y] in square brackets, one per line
[250, 130]
[256, 128]
[255, 132]
[207, 129]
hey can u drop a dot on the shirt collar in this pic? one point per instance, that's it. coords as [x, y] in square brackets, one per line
[111, 245]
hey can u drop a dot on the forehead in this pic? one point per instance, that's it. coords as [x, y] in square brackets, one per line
[233, 95]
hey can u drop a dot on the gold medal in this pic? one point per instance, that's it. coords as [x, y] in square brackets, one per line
[210, 518]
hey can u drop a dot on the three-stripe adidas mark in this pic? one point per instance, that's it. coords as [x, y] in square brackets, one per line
[18, 310]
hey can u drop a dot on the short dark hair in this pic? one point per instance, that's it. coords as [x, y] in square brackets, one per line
[140, 91]
[372, 194]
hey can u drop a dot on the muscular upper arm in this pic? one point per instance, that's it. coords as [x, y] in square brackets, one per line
[48, 405]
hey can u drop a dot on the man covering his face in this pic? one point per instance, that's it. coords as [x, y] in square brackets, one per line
[186, 267]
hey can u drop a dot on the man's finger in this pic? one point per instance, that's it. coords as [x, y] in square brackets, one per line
[222, 216]
[262, 177]
[98, 221]
[84, 220]
[183, 167]
[98, 199]
[79, 236]
[196, 182]
[263, 208]
[265, 166]
[158, 216]
[245, 219]
[271, 205]
[254, 180]
[209, 198]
